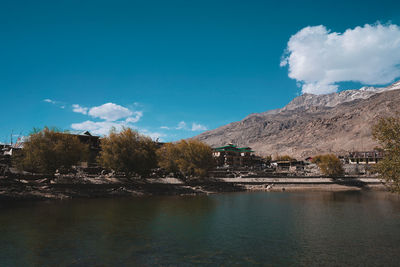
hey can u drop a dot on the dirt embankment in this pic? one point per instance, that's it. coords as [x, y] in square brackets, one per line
[67, 187]
[48, 188]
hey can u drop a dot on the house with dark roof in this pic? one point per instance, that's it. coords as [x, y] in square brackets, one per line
[232, 156]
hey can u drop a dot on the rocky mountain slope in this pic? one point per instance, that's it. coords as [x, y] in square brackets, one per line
[312, 124]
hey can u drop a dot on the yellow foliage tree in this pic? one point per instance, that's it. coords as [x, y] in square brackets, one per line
[190, 158]
[47, 150]
[128, 151]
[387, 132]
[329, 164]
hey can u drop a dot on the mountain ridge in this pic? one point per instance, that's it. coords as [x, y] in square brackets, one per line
[312, 124]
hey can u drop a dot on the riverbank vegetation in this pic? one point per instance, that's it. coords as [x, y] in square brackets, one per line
[127, 151]
[329, 164]
[387, 133]
[190, 158]
[48, 150]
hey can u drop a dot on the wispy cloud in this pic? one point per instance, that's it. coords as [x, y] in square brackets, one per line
[137, 115]
[79, 109]
[182, 125]
[47, 100]
[198, 127]
[54, 102]
[318, 58]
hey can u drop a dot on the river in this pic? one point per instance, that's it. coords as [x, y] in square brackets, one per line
[265, 228]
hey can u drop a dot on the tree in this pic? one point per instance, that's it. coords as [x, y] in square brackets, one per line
[168, 156]
[128, 151]
[387, 133]
[329, 164]
[190, 158]
[47, 150]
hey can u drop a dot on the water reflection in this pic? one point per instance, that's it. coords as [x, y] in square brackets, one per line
[246, 228]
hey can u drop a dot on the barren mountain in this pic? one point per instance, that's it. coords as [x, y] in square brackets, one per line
[312, 124]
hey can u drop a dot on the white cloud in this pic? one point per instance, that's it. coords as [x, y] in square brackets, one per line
[181, 125]
[110, 112]
[112, 115]
[49, 101]
[153, 135]
[318, 58]
[136, 118]
[98, 127]
[104, 127]
[79, 109]
[56, 103]
[198, 127]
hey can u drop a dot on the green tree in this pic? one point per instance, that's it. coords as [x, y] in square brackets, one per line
[191, 158]
[387, 133]
[47, 150]
[329, 164]
[128, 151]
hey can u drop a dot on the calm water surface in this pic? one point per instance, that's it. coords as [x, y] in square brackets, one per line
[277, 229]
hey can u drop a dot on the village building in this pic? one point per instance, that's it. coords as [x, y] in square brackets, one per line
[233, 156]
[359, 162]
[288, 165]
[363, 157]
[93, 143]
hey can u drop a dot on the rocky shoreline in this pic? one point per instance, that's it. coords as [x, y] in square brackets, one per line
[61, 188]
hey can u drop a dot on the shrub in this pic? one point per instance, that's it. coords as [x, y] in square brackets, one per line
[329, 164]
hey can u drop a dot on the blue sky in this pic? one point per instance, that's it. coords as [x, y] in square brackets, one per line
[168, 68]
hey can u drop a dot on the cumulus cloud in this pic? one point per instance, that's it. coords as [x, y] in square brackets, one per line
[318, 58]
[111, 116]
[79, 109]
[110, 112]
[198, 127]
